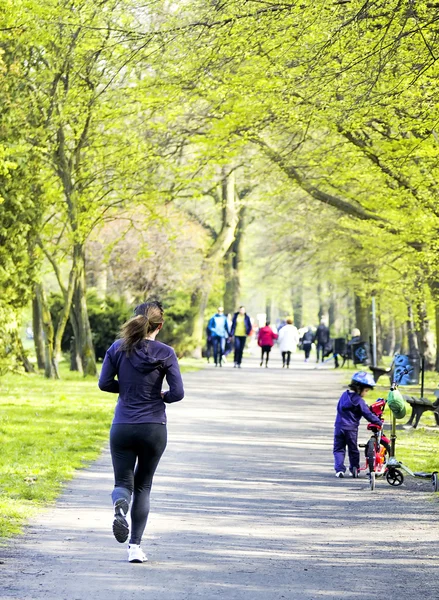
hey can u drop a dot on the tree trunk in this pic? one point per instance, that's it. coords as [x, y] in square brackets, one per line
[199, 301]
[379, 331]
[297, 301]
[323, 304]
[83, 335]
[391, 339]
[51, 367]
[20, 352]
[232, 267]
[434, 288]
[425, 336]
[214, 256]
[411, 332]
[68, 299]
[37, 327]
[362, 318]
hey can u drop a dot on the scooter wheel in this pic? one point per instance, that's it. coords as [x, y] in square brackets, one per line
[355, 473]
[395, 477]
[435, 482]
[372, 480]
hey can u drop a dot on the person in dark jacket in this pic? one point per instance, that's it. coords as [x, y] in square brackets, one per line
[351, 407]
[241, 328]
[138, 434]
[321, 338]
[306, 342]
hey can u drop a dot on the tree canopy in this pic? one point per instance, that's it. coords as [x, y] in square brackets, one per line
[194, 149]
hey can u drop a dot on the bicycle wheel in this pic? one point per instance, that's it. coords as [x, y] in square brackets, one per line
[395, 477]
[435, 482]
[371, 454]
[372, 480]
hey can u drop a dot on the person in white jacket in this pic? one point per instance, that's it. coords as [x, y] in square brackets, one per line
[288, 340]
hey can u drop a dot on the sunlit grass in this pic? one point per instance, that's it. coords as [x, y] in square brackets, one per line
[47, 430]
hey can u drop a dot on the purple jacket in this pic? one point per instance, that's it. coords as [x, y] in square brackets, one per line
[351, 407]
[139, 381]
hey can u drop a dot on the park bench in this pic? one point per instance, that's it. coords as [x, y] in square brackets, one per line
[420, 406]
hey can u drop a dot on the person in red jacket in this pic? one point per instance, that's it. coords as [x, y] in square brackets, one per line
[266, 337]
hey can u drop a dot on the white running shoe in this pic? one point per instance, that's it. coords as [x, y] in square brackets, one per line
[339, 474]
[136, 554]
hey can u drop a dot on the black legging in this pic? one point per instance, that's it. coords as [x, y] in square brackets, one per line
[136, 450]
[239, 348]
[265, 350]
[286, 357]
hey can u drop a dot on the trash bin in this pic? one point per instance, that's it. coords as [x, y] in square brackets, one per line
[340, 346]
[361, 353]
[412, 362]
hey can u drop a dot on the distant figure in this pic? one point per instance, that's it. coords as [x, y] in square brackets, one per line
[321, 338]
[288, 340]
[266, 337]
[209, 344]
[219, 331]
[229, 346]
[241, 328]
[306, 341]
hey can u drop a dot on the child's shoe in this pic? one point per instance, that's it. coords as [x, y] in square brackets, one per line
[339, 474]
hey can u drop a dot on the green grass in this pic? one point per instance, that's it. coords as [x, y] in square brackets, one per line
[47, 430]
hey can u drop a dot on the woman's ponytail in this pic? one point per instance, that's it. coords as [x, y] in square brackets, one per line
[148, 316]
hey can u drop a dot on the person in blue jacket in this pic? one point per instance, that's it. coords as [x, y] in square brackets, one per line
[218, 327]
[351, 407]
[134, 368]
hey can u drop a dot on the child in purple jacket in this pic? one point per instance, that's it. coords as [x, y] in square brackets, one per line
[351, 407]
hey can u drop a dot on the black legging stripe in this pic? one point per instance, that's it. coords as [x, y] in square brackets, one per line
[136, 450]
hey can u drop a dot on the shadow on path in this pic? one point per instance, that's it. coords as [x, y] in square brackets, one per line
[245, 505]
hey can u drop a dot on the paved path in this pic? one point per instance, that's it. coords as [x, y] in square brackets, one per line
[245, 505]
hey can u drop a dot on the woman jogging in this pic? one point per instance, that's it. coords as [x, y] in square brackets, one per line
[138, 433]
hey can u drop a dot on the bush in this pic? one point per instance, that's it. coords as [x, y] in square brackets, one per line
[106, 316]
[178, 317]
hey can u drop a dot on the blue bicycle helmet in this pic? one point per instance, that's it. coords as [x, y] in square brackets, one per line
[364, 378]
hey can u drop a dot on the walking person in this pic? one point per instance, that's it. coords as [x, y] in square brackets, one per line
[138, 434]
[351, 407]
[306, 342]
[209, 344]
[266, 337]
[241, 328]
[219, 332]
[288, 340]
[321, 338]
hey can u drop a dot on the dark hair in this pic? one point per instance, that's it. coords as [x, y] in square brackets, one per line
[147, 317]
[267, 323]
[358, 387]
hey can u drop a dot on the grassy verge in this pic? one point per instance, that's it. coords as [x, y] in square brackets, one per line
[417, 448]
[47, 430]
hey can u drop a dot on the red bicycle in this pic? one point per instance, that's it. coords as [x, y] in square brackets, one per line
[376, 449]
